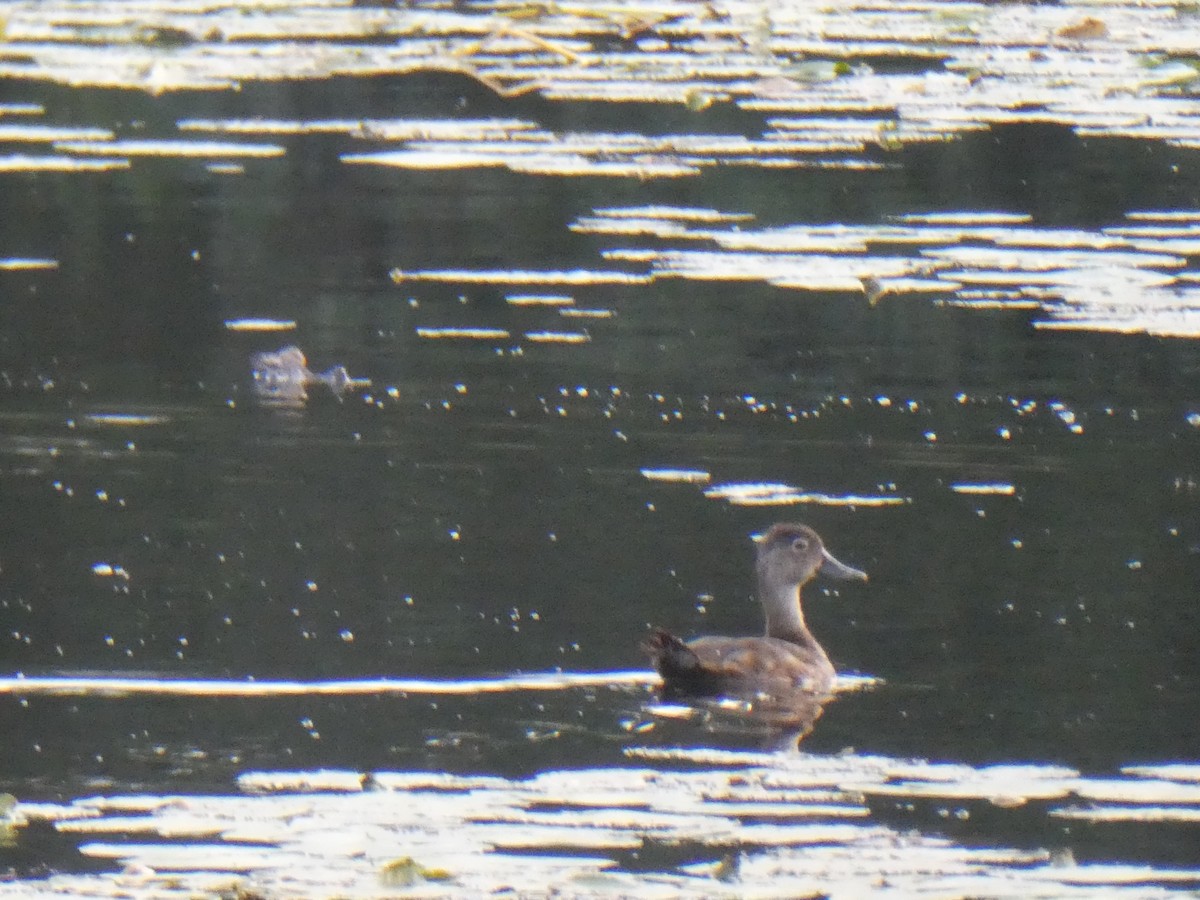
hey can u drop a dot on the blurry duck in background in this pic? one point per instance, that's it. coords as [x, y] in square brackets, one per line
[282, 378]
[784, 676]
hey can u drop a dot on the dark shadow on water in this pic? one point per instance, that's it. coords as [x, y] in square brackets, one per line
[41, 850]
[1048, 171]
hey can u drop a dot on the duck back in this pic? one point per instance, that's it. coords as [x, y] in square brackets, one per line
[740, 666]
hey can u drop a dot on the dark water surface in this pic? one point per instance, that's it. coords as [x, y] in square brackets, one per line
[481, 508]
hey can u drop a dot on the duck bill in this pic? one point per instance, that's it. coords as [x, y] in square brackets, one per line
[838, 570]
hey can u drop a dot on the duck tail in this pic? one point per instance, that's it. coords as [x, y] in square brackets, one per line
[670, 655]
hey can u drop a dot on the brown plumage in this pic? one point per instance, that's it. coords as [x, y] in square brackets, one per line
[787, 662]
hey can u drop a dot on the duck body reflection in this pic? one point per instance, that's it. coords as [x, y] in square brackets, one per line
[783, 677]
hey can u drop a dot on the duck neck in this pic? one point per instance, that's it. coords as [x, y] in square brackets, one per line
[785, 617]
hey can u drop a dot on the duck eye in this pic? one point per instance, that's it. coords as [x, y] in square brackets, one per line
[800, 544]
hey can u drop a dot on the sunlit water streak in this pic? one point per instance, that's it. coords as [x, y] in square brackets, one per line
[1117, 279]
[1002, 489]
[170, 148]
[767, 494]
[115, 686]
[186, 687]
[20, 162]
[123, 420]
[22, 265]
[708, 822]
[260, 324]
[681, 476]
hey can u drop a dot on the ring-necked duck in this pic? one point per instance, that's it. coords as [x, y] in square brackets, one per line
[787, 660]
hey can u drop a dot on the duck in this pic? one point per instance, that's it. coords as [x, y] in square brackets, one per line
[282, 377]
[786, 665]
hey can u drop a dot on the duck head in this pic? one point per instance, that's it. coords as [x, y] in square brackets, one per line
[789, 555]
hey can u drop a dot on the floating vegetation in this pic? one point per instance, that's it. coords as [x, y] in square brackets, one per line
[720, 824]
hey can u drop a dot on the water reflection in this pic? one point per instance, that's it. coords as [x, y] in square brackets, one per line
[772, 721]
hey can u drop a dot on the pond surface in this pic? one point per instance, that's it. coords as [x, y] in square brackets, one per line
[572, 401]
